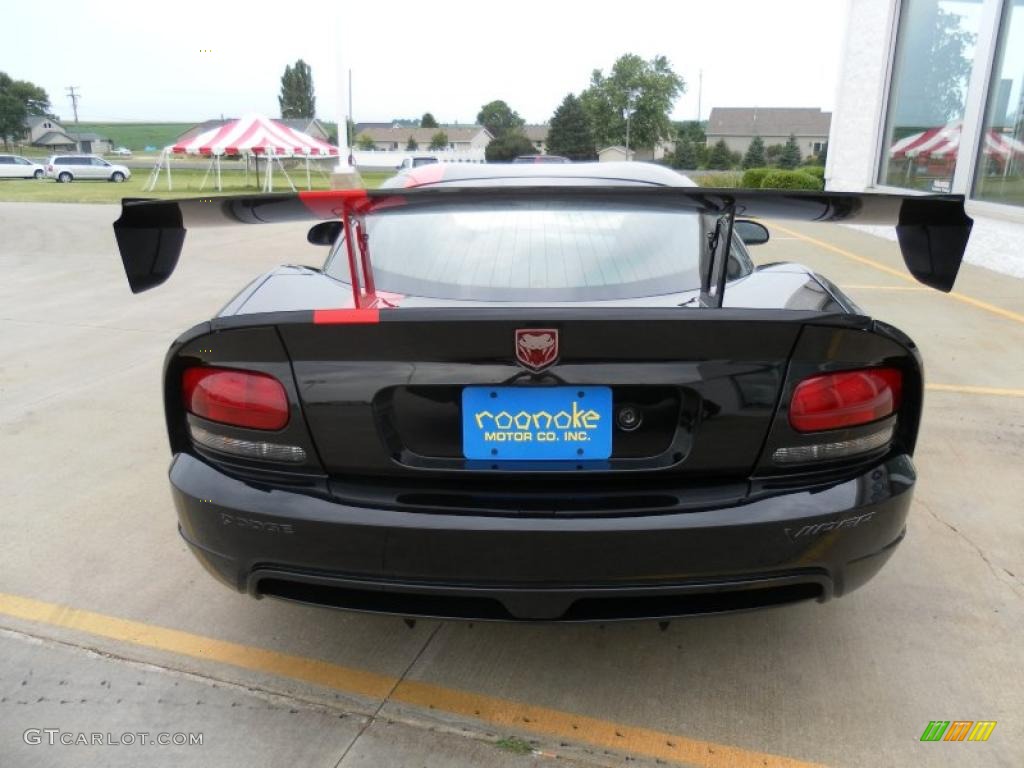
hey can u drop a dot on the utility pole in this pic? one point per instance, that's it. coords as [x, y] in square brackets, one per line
[74, 99]
[700, 90]
[631, 95]
[348, 131]
[344, 175]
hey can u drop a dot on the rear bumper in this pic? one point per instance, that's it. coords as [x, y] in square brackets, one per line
[797, 545]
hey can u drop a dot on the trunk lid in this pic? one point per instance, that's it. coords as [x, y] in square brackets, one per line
[384, 398]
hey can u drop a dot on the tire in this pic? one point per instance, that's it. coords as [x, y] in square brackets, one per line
[64, 177]
[38, 174]
[117, 177]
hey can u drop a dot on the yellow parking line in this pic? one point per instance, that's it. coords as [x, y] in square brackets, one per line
[984, 305]
[970, 390]
[489, 709]
[354, 681]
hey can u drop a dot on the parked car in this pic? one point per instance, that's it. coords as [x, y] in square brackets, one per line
[18, 167]
[122, 152]
[68, 168]
[415, 162]
[543, 392]
[541, 159]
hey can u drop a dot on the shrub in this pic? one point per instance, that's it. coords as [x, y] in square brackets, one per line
[720, 180]
[817, 171]
[791, 180]
[752, 177]
[720, 158]
[790, 156]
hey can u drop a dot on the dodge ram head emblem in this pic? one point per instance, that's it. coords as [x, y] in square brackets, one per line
[537, 348]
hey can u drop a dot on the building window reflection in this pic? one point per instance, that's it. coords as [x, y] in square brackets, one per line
[999, 173]
[931, 70]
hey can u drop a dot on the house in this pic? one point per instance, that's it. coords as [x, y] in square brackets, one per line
[92, 143]
[47, 133]
[200, 128]
[538, 134]
[738, 126]
[309, 126]
[615, 154]
[360, 127]
[618, 153]
[460, 138]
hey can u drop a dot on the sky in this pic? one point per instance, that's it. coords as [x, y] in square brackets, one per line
[190, 61]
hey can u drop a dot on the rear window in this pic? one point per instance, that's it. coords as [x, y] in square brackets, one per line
[532, 251]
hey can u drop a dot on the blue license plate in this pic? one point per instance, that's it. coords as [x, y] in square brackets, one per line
[537, 423]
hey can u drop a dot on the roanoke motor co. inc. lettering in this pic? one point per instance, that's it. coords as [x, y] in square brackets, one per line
[527, 426]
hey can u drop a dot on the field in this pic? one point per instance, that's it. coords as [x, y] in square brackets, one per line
[138, 136]
[135, 136]
[186, 184]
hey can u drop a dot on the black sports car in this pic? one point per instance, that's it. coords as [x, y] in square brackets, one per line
[543, 392]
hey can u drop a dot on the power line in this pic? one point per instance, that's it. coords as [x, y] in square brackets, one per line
[74, 99]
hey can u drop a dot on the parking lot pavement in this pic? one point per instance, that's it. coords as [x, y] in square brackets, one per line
[91, 560]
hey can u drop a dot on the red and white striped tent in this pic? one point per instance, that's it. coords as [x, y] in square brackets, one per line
[252, 136]
[944, 141]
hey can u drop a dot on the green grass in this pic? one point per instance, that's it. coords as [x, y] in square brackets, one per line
[186, 184]
[514, 745]
[135, 136]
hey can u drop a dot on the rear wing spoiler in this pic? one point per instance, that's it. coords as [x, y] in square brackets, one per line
[932, 230]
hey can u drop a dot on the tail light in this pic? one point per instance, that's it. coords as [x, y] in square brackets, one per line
[845, 399]
[842, 400]
[239, 398]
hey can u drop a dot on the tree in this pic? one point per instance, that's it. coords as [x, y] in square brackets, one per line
[510, 146]
[365, 141]
[933, 81]
[790, 155]
[297, 99]
[755, 154]
[692, 130]
[646, 90]
[720, 158]
[439, 141]
[499, 118]
[18, 100]
[772, 153]
[685, 156]
[412, 145]
[428, 121]
[570, 134]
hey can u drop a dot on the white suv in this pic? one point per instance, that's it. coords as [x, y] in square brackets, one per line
[66, 168]
[18, 167]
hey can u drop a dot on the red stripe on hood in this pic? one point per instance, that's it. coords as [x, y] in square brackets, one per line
[346, 316]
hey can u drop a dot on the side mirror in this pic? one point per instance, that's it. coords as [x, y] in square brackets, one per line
[750, 232]
[324, 233]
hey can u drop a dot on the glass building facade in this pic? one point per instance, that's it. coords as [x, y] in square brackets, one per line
[999, 168]
[954, 110]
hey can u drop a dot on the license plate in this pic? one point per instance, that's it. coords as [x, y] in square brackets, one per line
[537, 423]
